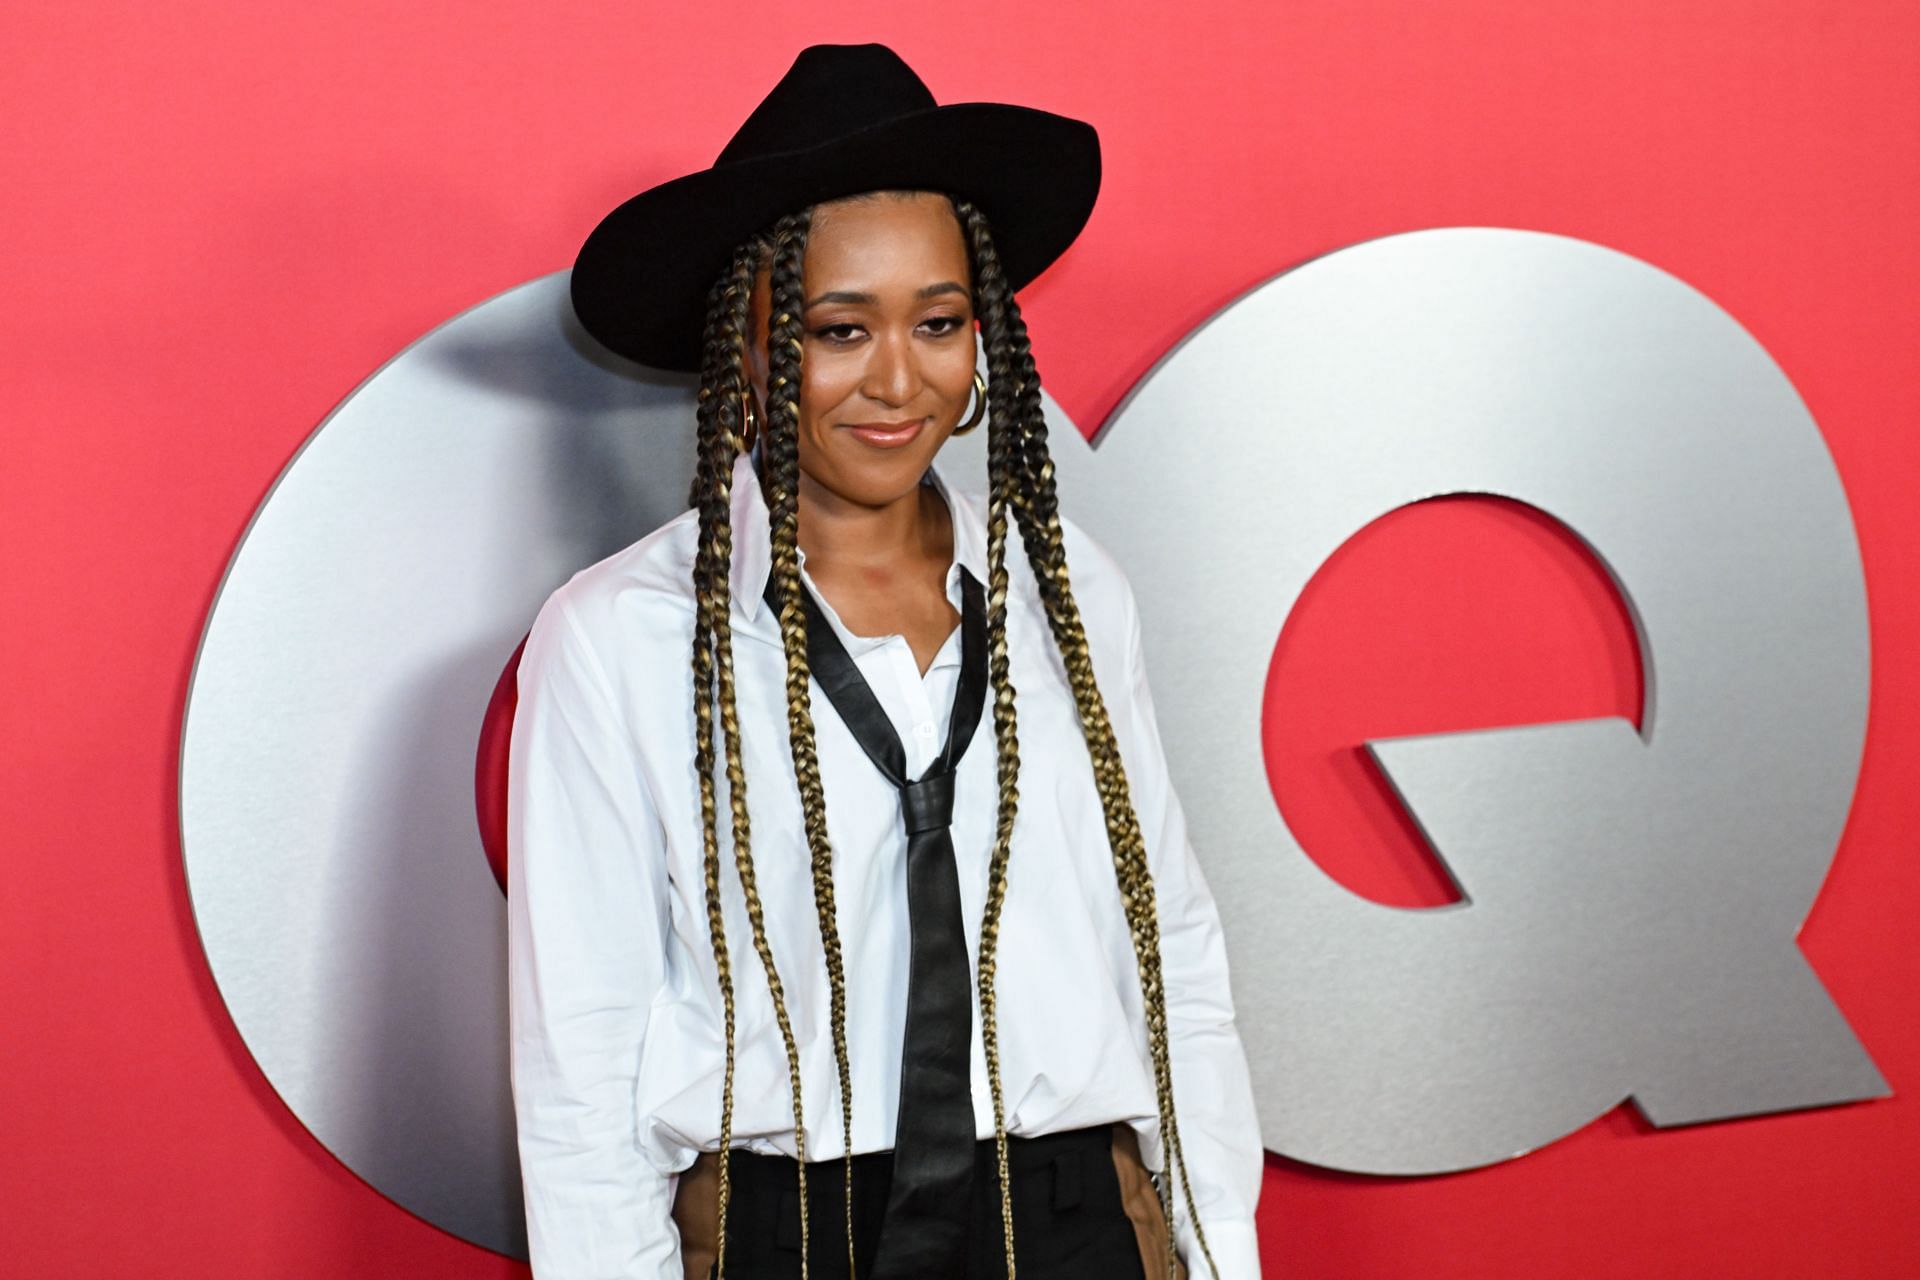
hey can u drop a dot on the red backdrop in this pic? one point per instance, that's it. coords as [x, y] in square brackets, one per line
[220, 216]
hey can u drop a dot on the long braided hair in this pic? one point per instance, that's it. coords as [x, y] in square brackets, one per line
[1021, 480]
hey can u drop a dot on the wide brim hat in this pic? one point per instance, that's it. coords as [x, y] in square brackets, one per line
[844, 119]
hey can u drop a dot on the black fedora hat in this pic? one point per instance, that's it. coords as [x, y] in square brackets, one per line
[844, 119]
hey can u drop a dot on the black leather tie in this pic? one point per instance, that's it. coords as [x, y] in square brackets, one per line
[924, 1234]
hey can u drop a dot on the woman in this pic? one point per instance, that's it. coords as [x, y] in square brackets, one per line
[846, 611]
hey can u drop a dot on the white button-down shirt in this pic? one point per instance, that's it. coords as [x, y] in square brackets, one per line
[616, 1016]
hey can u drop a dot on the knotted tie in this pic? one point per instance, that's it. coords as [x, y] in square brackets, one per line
[924, 1234]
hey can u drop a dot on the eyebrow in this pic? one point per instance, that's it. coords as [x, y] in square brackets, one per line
[848, 295]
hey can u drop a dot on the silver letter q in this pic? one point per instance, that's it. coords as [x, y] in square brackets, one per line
[1631, 897]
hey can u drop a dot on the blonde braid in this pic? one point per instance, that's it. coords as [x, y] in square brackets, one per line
[784, 354]
[713, 586]
[718, 417]
[1002, 426]
[1037, 509]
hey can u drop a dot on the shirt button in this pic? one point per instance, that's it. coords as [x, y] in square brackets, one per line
[924, 729]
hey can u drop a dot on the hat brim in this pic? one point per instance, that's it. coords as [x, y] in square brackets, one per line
[640, 281]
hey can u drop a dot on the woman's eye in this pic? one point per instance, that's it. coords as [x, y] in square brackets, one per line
[847, 332]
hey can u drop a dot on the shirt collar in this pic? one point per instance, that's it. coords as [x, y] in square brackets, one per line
[753, 549]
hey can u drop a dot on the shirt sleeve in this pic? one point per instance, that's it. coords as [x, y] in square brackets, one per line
[1213, 1090]
[587, 913]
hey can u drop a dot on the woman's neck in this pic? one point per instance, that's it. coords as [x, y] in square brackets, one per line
[845, 539]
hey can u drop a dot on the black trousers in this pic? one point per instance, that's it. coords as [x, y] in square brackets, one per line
[1068, 1223]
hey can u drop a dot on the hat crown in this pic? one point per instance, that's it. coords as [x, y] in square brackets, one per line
[831, 90]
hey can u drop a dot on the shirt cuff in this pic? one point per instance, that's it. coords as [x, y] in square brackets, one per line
[1236, 1249]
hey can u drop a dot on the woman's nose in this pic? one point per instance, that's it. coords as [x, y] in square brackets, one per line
[893, 374]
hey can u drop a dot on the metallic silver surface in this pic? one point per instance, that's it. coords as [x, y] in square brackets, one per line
[1632, 898]
[327, 760]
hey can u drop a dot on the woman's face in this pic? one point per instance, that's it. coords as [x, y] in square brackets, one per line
[887, 344]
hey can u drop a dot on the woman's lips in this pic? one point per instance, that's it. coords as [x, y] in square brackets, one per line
[887, 437]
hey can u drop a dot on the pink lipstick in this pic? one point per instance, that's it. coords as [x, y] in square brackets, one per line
[884, 435]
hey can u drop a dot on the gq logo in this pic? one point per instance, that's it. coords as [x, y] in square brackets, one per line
[1631, 896]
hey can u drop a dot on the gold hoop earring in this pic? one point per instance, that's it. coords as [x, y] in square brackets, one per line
[979, 410]
[749, 420]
